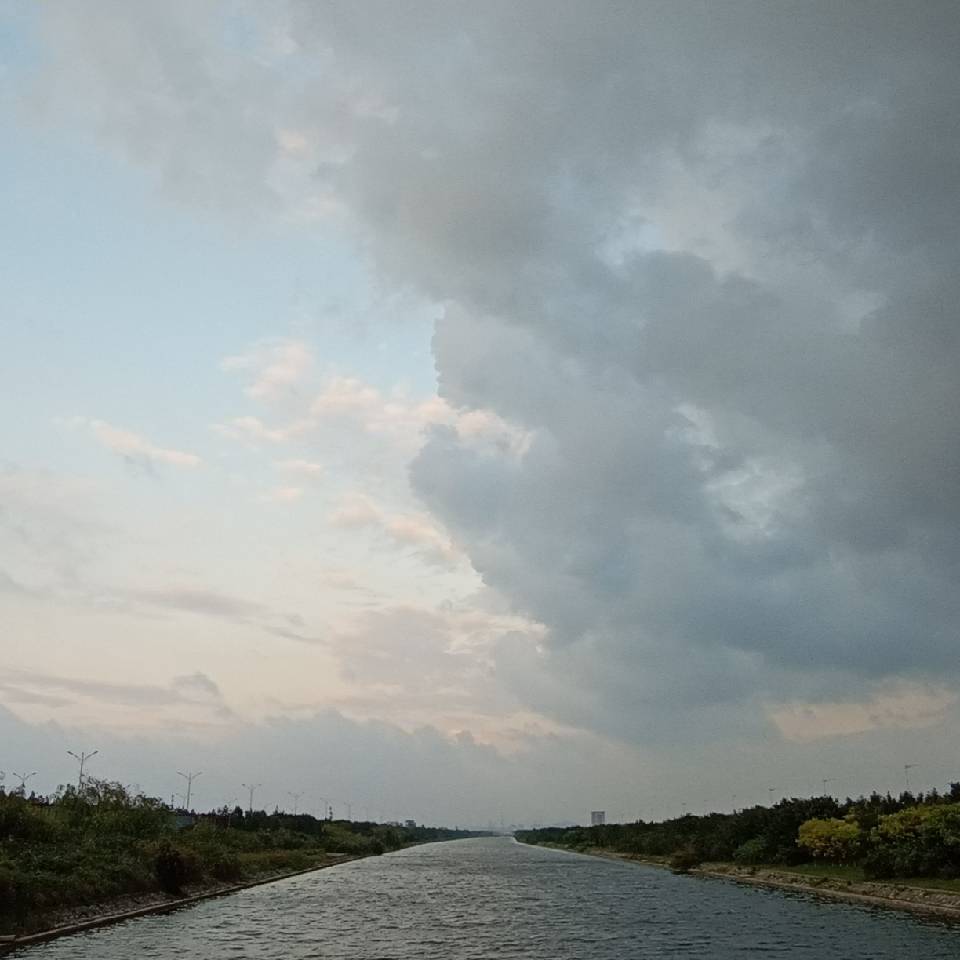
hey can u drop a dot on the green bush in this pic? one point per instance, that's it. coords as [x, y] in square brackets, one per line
[174, 867]
[684, 859]
[752, 852]
[88, 845]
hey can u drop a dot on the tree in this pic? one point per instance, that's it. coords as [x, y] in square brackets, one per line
[833, 841]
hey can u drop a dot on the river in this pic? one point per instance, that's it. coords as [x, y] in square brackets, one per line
[494, 898]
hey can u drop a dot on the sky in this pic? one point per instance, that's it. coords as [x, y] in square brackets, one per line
[479, 412]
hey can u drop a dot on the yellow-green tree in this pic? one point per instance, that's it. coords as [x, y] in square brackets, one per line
[833, 841]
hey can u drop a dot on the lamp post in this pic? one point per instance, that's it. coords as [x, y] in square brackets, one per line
[907, 767]
[251, 787]
[82, 758]
[23, 778]
[189, 777]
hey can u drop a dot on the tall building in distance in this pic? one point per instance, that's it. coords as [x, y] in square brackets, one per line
[598, 818]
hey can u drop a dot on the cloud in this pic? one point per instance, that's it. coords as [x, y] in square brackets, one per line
[134, 448]
[276, 367]
[357, 510]
[333, 757]
[319, 413]
[424, 537]
[905, 706]
[701, 259]
[417, 532]
[304, 468]
[195, 689]
[52, 534]
[251, 430]
[210, 603]
[282, 495]
[197, 685]
[203, 602]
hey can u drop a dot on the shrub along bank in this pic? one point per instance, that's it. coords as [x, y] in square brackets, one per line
[887, 837]
[88, 846]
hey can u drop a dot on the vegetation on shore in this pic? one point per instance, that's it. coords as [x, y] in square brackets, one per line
[87, 846]
[880, 836]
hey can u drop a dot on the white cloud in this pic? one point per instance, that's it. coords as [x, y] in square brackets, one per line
[251, 430]
[900, 706]
[405, 530]
[282, 494]
[276, 368]
[349, 403]
[356, 510]
[427, 540]
[305, 468]
[133, 447]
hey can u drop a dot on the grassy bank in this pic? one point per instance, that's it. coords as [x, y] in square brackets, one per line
[91, 847]
[902, 851]
[938, 898]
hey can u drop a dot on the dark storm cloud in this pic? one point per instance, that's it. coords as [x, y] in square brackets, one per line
[797, 535]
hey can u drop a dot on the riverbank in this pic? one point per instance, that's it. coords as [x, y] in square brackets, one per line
[83, 853]
[128, 907]
[889, 894]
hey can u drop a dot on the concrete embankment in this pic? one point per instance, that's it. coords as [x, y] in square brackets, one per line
[128, 908]
[892, 895]
[896, 896]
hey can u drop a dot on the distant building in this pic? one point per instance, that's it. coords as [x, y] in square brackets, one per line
[409, 823]
[598, 818]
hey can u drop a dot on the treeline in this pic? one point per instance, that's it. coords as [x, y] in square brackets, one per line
[913, 835]
[85, 846]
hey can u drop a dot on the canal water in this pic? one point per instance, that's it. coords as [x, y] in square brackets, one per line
[494, 898]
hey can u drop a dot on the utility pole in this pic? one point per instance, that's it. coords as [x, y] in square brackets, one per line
[23, 778]
[349, 807]
[907, 767]
[296, 799]
[189, 777]
[827, 780]
[251, 787]
[82, 758]
[770, 791]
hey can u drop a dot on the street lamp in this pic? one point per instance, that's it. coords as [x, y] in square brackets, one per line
[189, 777]
[251, 787]
[23, 778]
[82, 758]
[907, 767]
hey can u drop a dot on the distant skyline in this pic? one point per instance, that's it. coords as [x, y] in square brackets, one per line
[479, 411]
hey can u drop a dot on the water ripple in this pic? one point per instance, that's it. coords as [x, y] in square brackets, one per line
[493, 898]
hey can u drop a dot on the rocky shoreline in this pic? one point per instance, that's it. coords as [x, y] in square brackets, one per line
[891, 895]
